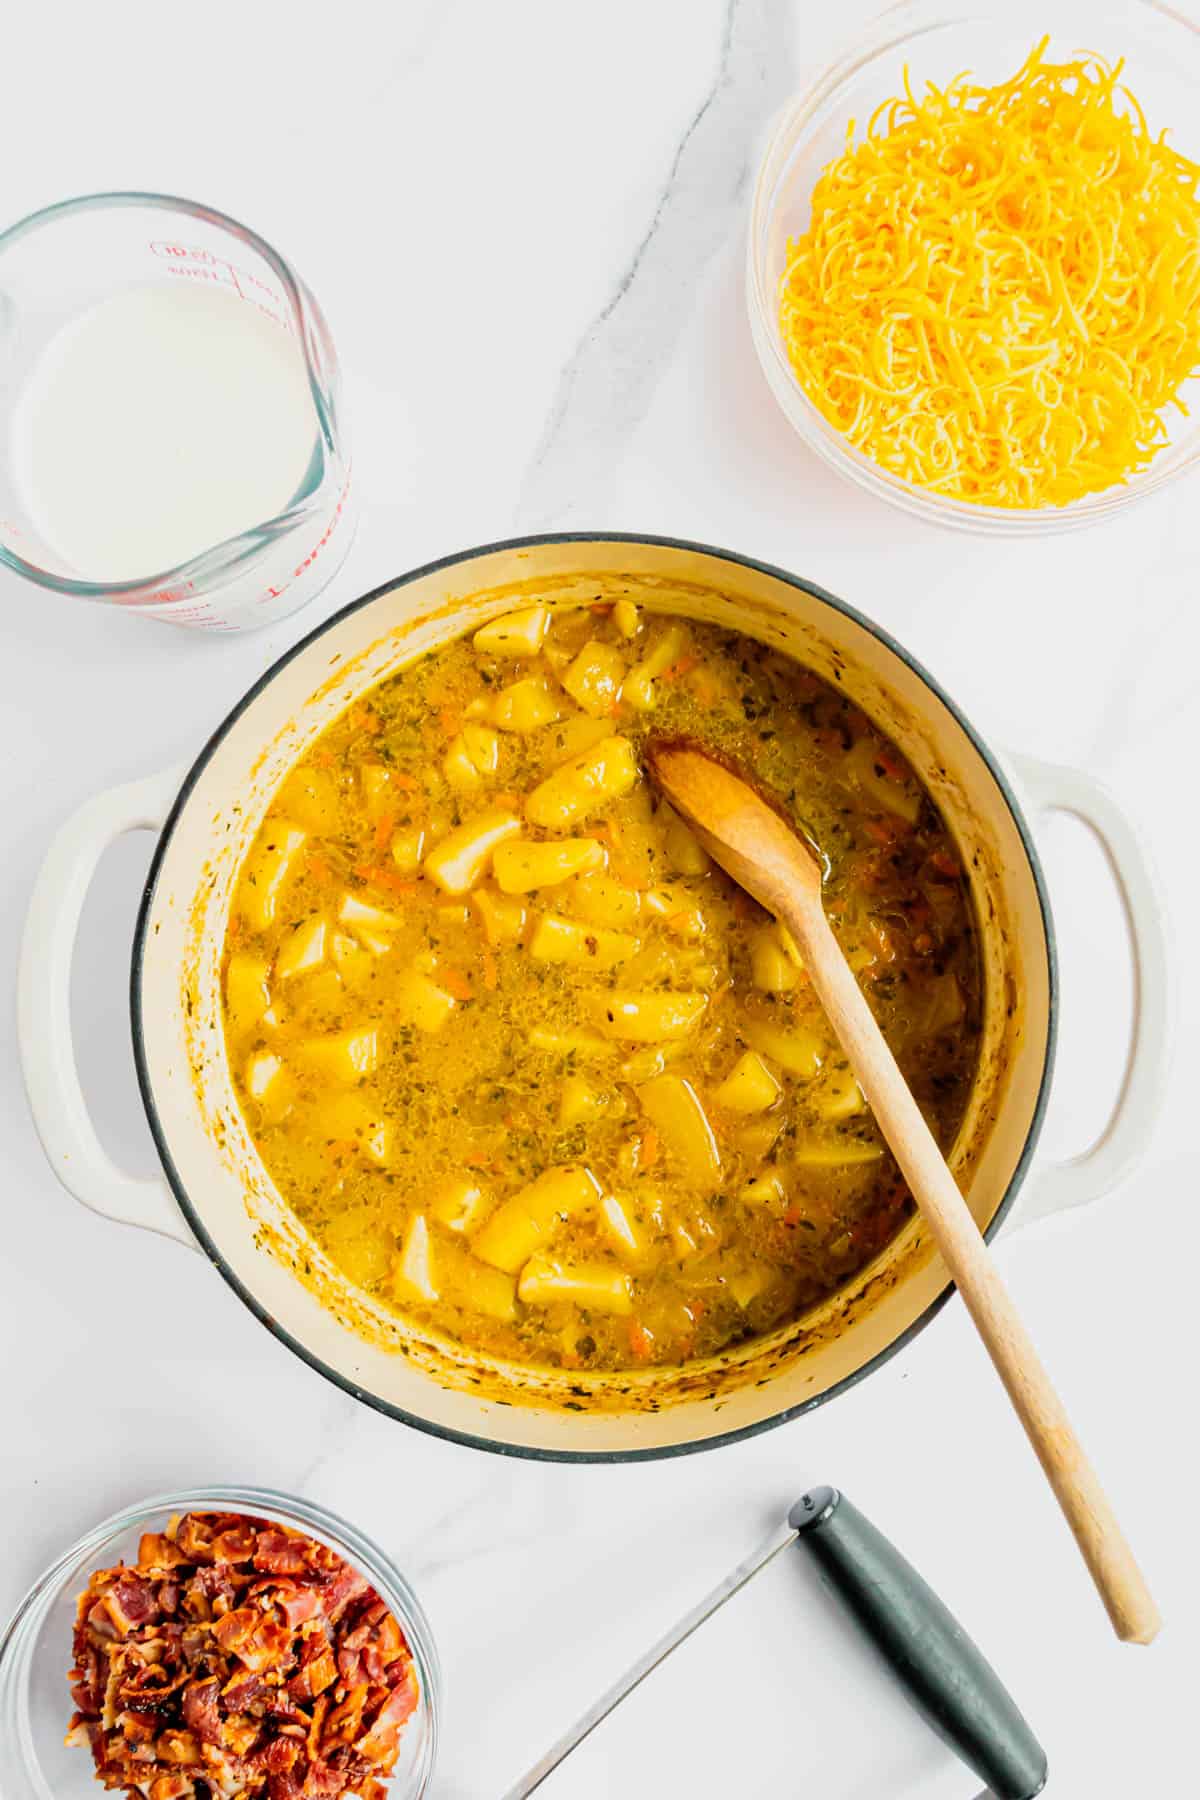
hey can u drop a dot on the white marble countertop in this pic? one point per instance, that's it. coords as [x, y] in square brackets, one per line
[526, 223]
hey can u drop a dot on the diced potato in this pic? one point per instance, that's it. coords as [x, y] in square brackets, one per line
[749, 1283]
[354, 960]
[460, 1205]
[703, 975]
[644, 1065]
[673, 1106]
[372, 941]
[646, 1018]
[682, 1241]
[475, 1285]
[521, 865]
[267, 869]
[678, 909]
[247, 996]
[269, 1084]
[310, 796]
[367, 921]
[764, 1190]
[513, 634]
[458, 768]
[421, 1002]
[346, 1055]
[585, 946]
[771, 968]
[655, 962]
[685, 853]
[901, 797]
[758, 1138]
[547, 1282]
[362, 1254]
[348, 1117]
[594, 679]
[378, 794]
[834, 1153]
[628, 1237]
[575, 735]
[408, 847]
[260, 1072]
[626, 618]
[323, 992]
[947, 1007]
[557, 656]
[516, 1229]
[797, 1050]
[413, 1271]
[790, 947]
[837, 1095]
[639, 690]
[749, 1087]
[502, 916]
[482, 746]
[583, 785]
[461, 859]
[583, 1044]
[303, 949]
[600, 900]
[579, 1102]
[636, 850]
[525, 706]
[693, 1235]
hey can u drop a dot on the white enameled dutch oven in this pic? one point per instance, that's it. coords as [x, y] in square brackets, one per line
[216, 1192]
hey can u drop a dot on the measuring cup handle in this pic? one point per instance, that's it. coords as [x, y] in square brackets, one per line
[1056, 1187]
[44, 1035]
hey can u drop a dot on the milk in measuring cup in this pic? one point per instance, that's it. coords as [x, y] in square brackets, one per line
[157, 425]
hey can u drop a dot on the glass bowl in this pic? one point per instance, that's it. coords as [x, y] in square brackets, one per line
[35, 1651]
[937, 40]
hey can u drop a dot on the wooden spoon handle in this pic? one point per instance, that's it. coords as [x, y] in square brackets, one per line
[1117, 1577]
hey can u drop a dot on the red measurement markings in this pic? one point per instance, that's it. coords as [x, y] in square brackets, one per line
[195, 264]
[273, 593]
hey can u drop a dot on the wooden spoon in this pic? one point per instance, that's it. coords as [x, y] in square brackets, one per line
[761, 851]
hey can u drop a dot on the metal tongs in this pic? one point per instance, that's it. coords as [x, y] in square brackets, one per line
[945, 1676]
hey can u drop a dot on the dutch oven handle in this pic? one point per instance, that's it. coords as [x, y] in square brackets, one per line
[44, 1034]
[1056, 1187]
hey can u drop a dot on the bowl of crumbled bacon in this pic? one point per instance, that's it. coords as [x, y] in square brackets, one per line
[215, 1645]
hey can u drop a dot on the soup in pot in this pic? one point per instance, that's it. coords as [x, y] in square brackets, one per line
[525, 1063]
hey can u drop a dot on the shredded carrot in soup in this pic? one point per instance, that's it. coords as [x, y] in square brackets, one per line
[998, 296]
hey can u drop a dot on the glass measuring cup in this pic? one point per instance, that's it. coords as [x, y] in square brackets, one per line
[60, 264]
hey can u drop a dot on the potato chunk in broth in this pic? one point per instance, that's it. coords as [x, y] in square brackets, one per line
[522, 1059]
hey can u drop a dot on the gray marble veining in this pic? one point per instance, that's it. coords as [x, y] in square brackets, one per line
[607, 385]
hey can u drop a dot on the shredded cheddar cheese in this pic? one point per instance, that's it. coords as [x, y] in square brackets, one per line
[999, 294]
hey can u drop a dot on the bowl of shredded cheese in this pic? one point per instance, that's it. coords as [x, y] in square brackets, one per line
[974, 261]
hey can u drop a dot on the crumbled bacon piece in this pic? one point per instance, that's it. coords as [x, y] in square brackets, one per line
[280, 1553]
[314, 1677]
[382, 1743]
[178, 1747]
[199, 1708]
[158, 1551]
[297, 1604]
[239, 1658]
[167, 1787]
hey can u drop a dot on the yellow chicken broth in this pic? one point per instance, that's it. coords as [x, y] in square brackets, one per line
[522, 1060]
